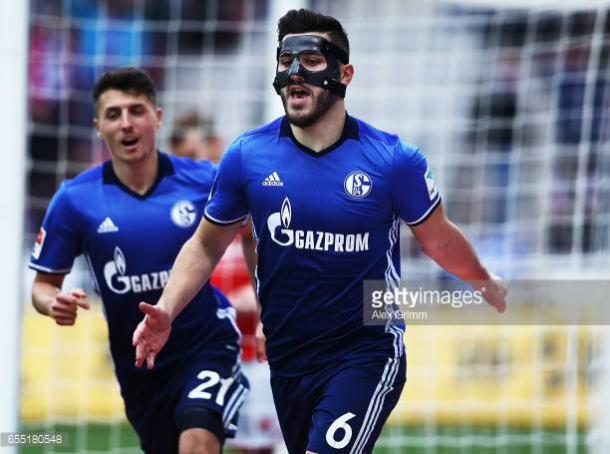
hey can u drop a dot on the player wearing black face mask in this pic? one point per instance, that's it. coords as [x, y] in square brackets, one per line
[293, 59]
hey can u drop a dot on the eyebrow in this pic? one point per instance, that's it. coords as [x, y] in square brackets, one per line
[128, 106]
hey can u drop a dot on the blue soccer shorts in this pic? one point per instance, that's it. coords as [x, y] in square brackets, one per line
[341, 408]
[206, 394]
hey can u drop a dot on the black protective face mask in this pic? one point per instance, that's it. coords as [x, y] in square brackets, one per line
[328, 78]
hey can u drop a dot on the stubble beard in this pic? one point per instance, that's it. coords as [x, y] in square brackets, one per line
[323, 101]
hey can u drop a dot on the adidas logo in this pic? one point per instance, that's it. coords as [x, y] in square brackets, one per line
[107, 226]
[273, 180]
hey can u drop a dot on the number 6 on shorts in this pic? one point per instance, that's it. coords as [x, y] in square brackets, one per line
[340, 424]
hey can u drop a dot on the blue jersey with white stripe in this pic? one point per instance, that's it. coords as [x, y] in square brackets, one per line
[324, 222]
[130, 242]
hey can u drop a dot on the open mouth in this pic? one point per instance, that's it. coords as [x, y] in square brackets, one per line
[297, 92]
[130, 142]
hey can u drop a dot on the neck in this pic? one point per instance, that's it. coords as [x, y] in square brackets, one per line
[139, 176]
[326, 131]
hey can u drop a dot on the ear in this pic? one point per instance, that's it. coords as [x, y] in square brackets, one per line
[159, 115]
[347, 74]
[96, 123]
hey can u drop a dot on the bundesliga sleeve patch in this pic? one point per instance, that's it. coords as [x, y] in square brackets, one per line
[42, 234]
[430, 184]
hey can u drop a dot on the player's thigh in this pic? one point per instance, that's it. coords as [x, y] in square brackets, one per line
[294, 399]
[199, 441]
[212, 393]
[154, 422]
[354, 406]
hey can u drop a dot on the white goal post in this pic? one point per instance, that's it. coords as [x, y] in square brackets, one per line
[13, 64]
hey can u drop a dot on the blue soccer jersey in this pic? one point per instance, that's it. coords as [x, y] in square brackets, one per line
[130, 242]
[324, 222]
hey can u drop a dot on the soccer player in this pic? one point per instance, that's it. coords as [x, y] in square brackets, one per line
[129, 217]
[326, 193]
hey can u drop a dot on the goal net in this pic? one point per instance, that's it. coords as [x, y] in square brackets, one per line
[510, 102]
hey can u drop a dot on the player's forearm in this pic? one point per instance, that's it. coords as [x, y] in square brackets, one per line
[454, 253]
[192, 269]
[194, 265]
[43, 295]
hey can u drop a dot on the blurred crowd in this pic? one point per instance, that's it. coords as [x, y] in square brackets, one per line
[539, 132]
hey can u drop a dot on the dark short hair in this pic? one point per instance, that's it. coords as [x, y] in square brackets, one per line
[304, 21]
[130, 80]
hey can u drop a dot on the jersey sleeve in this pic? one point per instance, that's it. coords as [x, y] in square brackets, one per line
[58, 241]
[415, 192]
[228, 203]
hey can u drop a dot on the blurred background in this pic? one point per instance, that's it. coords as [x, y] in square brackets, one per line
[508, 99]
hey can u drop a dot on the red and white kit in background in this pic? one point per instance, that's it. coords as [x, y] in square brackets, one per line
[258, 424]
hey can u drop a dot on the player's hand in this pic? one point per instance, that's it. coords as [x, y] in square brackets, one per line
[63, 308]
[494, 291]
[261, 349]
[151, 334]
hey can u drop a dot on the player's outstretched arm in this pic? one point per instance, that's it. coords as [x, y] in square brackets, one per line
[49, 300]
[444, 242]
[192, 268]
